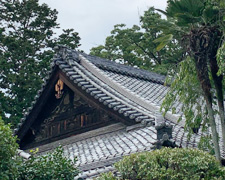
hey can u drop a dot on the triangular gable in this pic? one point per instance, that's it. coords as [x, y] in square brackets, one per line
[66, 111]
[84, 81]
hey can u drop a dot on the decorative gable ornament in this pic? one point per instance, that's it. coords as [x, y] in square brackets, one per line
[59, 88]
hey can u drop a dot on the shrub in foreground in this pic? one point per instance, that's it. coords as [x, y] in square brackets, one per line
[52, 166]
[8, 147]
[168, 164]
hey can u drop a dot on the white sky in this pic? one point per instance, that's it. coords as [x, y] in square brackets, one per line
[94, 19]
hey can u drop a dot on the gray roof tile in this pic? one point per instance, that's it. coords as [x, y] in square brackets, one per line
[97, 153]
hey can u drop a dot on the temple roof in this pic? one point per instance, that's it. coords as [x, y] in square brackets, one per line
[134, 94]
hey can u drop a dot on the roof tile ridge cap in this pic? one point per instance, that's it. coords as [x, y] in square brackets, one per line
[126, 72]
[126, 92]
[127, 103]
[174, 118]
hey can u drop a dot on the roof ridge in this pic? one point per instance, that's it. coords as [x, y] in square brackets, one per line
[128, 70]
[129, 94]
[113, 84]
[69, 56]
[95, 81]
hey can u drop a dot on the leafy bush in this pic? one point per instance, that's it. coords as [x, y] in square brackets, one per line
[52, 166]
[169, 164]
[8, 147]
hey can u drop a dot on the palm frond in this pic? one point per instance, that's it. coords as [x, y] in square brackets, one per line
[163, 41]
[191, 8]
[163, 12]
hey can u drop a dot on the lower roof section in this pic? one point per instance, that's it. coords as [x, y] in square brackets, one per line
[99, 149]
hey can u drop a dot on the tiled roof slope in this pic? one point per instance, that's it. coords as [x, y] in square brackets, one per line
[97, 153]
[102, 151]
[124, 69]
[69, 63]
[101, 91]
[134, 93]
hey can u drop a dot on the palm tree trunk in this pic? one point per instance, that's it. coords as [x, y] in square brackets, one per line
[200, 47]
[215, 137]
[218, 81]
[202, 71]
[222, 119]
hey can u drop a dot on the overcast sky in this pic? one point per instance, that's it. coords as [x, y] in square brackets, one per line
[94, 19]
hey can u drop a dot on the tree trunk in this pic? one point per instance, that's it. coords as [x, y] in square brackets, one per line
[218, 81]
[215, 137]
[199, 45]
[202, 71]
[222, 118]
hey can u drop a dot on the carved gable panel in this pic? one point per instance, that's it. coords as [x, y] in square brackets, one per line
[65, 114]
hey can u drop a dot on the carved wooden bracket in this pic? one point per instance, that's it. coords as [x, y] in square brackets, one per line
[58, 89]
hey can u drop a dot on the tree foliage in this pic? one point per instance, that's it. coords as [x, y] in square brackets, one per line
[136, 46]
[200, 24]
[8, 147]
[174, 164]
[26, 42]
[50, 166]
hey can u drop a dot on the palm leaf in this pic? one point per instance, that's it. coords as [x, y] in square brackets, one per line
[186, 18]
[161, 45]
[192, 7]
[163, 12]
[163, 41]
[164, 38]
[210, 14]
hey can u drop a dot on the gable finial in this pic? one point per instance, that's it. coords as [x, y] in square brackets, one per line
[66, 53]
[61, 51]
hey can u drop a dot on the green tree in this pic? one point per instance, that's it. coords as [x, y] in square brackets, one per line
[201, 26]
[164, 164]
[8, 147]
[135, 46]
[68, 38]
[26, 42]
